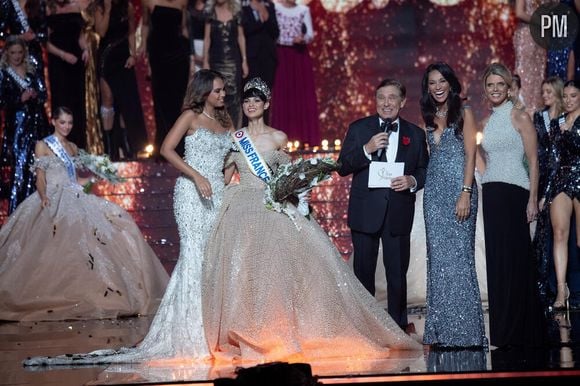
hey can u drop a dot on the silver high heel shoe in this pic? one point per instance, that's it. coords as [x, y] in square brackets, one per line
[561, 303]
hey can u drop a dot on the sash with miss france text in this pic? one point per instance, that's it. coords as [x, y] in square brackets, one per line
[255, 161]
[59, 150]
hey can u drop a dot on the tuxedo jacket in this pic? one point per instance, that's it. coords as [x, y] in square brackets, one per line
[260, 37]
[368, 207]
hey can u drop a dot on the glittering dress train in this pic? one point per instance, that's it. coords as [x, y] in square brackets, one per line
[82, 257]
[273, 292]
[176, 333]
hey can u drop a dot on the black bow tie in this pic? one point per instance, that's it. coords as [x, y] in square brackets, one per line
[392, 127]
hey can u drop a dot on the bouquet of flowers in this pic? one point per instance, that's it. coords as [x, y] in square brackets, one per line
[100, 165]
[287, 191]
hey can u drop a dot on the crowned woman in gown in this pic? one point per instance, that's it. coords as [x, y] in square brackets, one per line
[274, 286]
[65, 254]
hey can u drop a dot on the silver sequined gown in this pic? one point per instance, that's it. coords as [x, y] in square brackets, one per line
[454, 312]
[176, 332]
[272, 292]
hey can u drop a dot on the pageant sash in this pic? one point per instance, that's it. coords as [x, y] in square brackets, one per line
[23, 83]
[255, 161]
[21, 15]
[547, 120]
[59, 150]
[546, 117]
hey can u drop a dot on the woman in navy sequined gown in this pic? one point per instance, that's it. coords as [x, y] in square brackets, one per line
[454, 312]
[563, 188]
[28, 21]
[552, 91]
[23, 95]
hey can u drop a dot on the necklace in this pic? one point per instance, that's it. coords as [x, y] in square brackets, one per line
[440, 113]
[207, 115]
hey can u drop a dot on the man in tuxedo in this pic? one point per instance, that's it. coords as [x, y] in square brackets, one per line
[384, 214]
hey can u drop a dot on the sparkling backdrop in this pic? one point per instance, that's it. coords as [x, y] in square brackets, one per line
[358, 43]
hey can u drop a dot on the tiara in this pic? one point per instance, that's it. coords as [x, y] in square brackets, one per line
[260, 85]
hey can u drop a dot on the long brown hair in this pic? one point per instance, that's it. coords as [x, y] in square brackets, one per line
[197, 92]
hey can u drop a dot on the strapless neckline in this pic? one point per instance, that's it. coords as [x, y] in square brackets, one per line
[201, 129]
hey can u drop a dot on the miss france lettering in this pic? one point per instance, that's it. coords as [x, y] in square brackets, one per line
[254, 159]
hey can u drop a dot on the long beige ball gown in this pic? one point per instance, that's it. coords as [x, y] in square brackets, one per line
[82, 257]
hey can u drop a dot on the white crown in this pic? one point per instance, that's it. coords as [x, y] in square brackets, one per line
[260, 85]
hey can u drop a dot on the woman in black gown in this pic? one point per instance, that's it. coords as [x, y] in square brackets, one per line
[120, 102]
[164, 32]
[67, 55]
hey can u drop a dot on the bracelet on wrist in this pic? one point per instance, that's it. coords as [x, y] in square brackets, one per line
[467, 189]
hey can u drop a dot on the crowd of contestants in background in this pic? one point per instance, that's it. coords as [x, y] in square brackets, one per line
[82, 54]
[536, 177]
[546, 81]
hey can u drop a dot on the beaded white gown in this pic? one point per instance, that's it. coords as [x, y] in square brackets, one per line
[176, 333]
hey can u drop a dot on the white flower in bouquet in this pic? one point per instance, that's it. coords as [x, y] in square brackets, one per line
[100, 165]
[288, 190]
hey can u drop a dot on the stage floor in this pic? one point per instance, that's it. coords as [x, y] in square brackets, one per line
[147, 195]
[556, 364]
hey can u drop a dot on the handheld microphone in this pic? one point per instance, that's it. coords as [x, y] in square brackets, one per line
[388, 122]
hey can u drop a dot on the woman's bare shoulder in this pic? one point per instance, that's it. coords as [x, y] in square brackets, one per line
[41, 149]
[278, 135]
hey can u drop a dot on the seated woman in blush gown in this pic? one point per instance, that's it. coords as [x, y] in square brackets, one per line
[65, 254]
[273, 292]
[176, 334]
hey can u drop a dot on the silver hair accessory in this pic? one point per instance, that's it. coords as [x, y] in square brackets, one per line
[260, 85]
